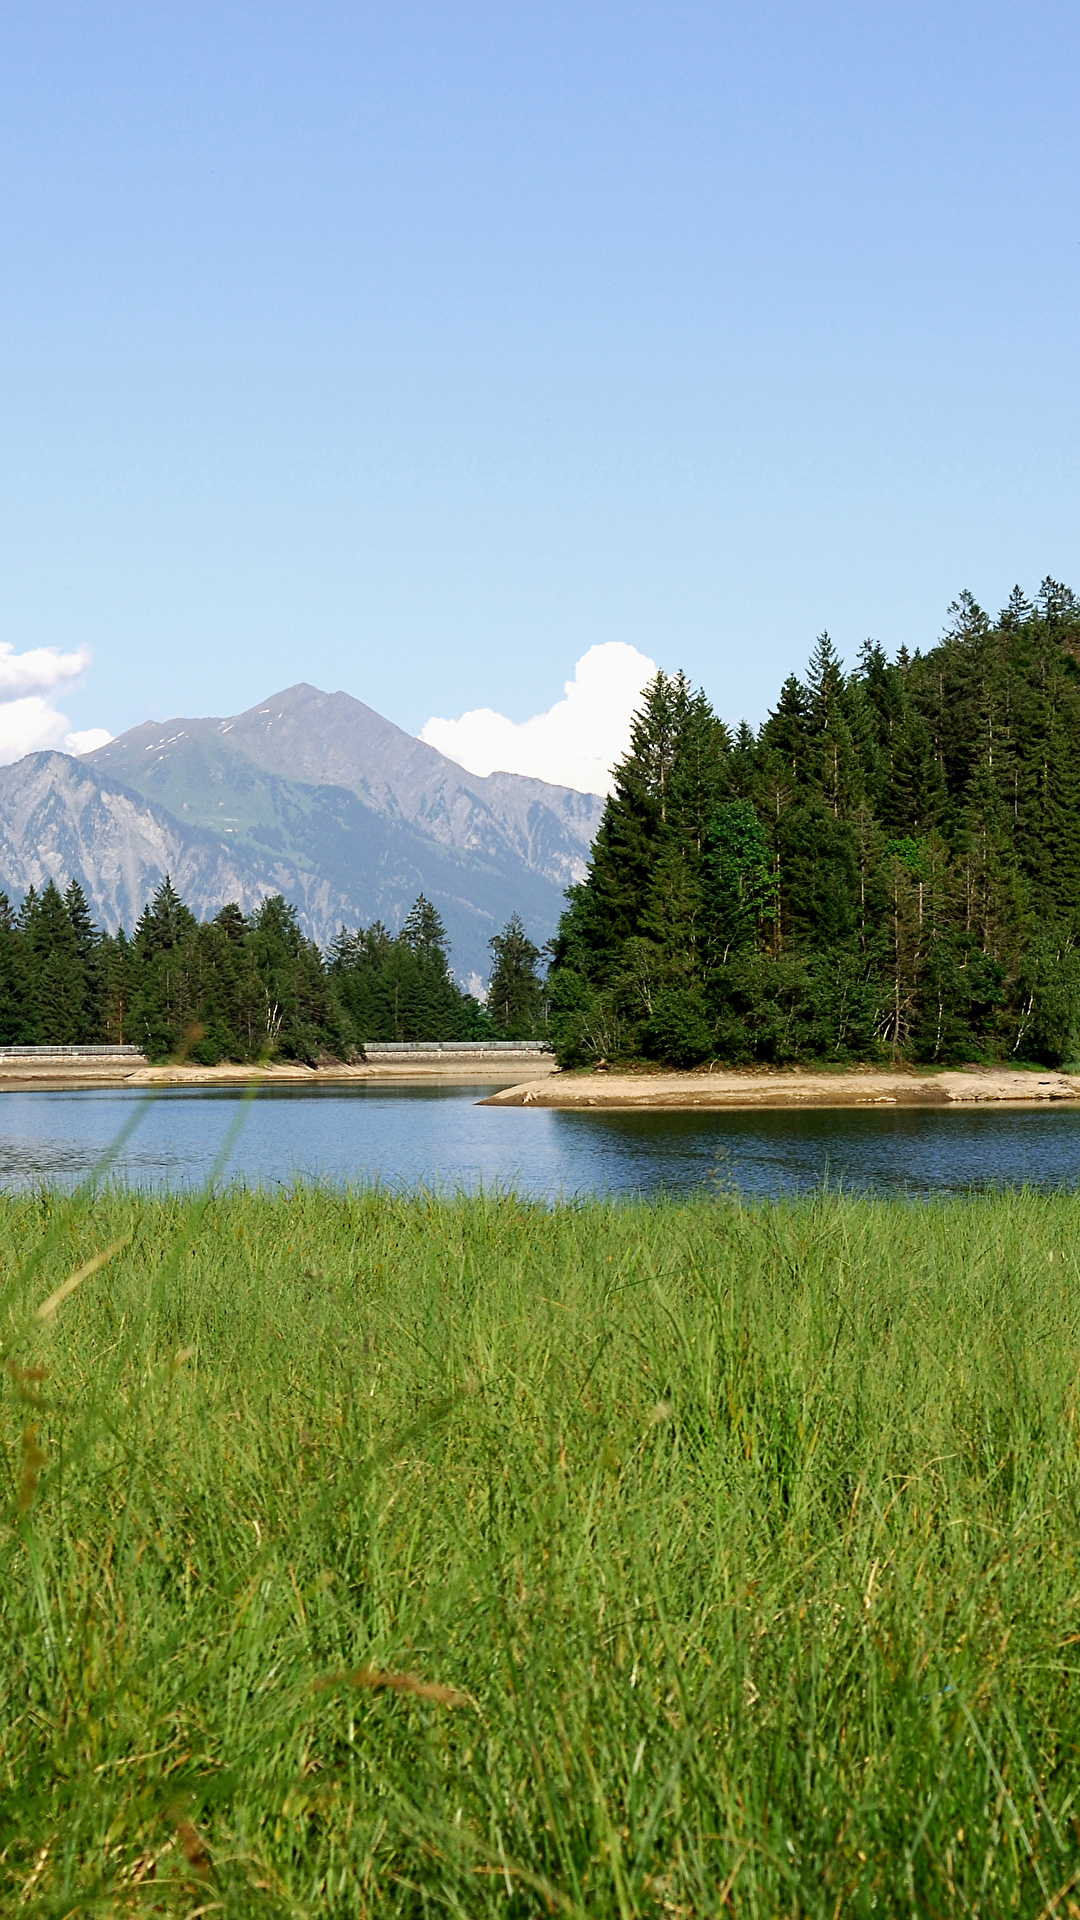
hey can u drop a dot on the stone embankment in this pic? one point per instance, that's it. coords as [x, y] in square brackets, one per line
[718, 1087]
[57, 1068]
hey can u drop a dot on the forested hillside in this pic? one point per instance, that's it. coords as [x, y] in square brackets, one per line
[235, 988]
[891, 865]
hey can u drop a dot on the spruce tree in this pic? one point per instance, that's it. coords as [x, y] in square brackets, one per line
[300, 1018]
[664, 793]
[739, 884]
[57, 973]
[514, 993]
[118, 970]
[13, 1008]
[915, 799]
[88, 948]
[788, 729]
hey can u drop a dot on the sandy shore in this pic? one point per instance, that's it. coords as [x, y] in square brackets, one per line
[541, 1085]
[44, 1076]
[855, 1088]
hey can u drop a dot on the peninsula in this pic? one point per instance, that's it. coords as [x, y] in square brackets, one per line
[849, 1087]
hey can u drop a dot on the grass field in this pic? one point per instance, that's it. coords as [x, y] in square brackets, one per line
[375, 1556]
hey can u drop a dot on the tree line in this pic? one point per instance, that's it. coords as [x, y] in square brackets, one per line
[247, 988]
[889, 867]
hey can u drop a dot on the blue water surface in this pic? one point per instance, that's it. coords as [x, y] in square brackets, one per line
[439, 1137]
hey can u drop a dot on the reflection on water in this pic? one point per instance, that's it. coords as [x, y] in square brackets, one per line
[439, 1137]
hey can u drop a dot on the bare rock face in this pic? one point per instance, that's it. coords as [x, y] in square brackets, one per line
[311, 795]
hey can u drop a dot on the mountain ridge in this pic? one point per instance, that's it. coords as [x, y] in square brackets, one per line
[226, 823]
[336, 740]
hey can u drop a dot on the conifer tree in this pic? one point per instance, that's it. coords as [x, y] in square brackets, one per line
[117, 977]
[56, 969]
[164, 921]
[664, 793]
[232, 923]
[514, 994]
[915, 799]
[788, 729]
[299, 1013]
[12, 980]
[739, 884]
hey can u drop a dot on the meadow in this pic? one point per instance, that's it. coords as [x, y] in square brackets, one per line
[364, 1555]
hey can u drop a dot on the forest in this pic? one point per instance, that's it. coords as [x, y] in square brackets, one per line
[246, 988]
[888, 868]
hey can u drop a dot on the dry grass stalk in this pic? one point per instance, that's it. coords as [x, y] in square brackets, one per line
[59, 1295]
[369, 1676]
[193, 1847]
[32, 1462]
[38, 1870]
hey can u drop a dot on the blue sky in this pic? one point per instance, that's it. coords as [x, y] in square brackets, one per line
[418, 349]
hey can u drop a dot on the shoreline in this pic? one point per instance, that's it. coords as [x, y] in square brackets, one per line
[546, 1086]
[43, 1077]
[720, 1088]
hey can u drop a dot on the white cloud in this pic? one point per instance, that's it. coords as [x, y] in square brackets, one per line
[38, 670]
[29, 723]
[575, 744]
[86, 740]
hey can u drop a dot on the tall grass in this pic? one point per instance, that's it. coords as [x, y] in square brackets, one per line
[375, 1556]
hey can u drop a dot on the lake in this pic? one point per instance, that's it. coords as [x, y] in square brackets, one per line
[437, 1136]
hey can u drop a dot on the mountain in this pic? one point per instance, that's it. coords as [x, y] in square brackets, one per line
[309, 794]
[330, 739]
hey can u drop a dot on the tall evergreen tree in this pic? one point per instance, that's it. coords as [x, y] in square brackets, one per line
[665, 791]
[739, 883]
[13, 1009]
[515, 994]
[164, 921]
[915, 799]
[57, 971]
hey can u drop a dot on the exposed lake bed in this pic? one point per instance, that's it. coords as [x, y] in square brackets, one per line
[796, 1087]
